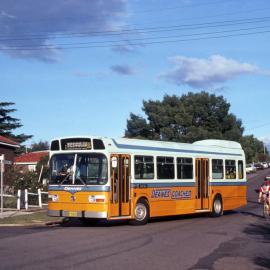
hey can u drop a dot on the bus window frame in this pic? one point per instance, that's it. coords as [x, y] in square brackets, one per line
[243, 170]
[173, 163]
[235, 165]
[193, 168]
[223, 169]
[133, 160]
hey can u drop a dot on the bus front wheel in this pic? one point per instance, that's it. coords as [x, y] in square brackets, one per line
[217, 208]
[141, 213]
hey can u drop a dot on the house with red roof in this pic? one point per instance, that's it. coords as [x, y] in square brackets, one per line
[28, 162]
[8, 147]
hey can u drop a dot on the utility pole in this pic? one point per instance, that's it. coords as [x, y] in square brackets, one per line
[2, 158]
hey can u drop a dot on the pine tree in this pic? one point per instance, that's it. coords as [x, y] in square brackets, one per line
[8, 123]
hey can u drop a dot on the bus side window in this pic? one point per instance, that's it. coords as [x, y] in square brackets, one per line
[217, 169]
[165, 168]
[144, 167]
[230, 169]
[184, 168]
[240, 169]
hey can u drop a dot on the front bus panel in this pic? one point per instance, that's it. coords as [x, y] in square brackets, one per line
[78, 181]
[78, 202]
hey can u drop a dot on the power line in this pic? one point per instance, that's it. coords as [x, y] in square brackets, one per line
[135, 44]
[143, 39]
[238, 12]
[260, 126]
[143, 30]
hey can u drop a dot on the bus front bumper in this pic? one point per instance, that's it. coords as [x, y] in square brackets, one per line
[79, 214]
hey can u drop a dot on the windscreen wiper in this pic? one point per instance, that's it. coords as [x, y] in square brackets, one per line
[66, 177]
[81, 181]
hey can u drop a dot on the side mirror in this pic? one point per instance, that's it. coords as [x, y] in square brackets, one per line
[114, 162]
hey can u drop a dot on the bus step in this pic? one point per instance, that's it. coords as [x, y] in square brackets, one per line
[202, 210]
[120, 217]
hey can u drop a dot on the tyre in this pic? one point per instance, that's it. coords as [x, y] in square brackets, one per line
[141, 213]
[217, 207]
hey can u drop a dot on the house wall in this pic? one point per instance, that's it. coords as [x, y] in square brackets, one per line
[9, 152]
[24, 168]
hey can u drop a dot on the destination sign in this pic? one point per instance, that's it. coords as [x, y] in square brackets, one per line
[76, 144]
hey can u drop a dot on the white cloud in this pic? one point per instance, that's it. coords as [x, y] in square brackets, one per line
[199, 72]
[34, 24]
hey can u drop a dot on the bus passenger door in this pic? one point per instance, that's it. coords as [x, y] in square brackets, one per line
[202, 184]
[120, 186]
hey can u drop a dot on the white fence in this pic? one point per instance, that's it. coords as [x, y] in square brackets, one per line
[26, 199]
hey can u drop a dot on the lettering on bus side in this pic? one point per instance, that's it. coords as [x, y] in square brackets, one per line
[181, 194]
[161, 193]
[171, 194]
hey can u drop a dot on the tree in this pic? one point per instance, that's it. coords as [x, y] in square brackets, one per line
[8, 123]
[39, 146]
[254, 149]
[137, 127]
[188, 118]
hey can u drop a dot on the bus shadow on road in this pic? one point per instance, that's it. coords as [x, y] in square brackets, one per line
[76, 222]
[247, 213]
[253, 208]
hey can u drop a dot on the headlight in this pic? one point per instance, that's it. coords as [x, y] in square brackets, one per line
[96, 198]
[53, 197]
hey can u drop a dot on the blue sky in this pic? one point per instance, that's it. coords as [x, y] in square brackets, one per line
[81, 67]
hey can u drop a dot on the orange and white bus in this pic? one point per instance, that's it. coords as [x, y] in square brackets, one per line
[102, 178]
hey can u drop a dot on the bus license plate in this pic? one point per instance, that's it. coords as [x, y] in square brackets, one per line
[72, 214]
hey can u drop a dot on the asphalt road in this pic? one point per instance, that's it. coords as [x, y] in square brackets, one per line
[238, 240]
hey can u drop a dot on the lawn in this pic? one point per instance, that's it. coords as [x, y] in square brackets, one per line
[34, 218]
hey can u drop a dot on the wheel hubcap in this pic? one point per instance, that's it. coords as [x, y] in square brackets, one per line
[140, 211]
[217, 206]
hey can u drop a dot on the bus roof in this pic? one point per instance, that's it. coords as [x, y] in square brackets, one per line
[207, 147]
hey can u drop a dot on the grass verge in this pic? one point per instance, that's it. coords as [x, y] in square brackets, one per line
[33, 218]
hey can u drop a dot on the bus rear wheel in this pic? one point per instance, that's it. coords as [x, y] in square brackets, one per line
[141, 213]
[217, 208]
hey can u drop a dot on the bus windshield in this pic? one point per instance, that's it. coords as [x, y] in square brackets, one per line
[79, 169]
